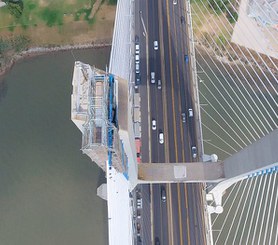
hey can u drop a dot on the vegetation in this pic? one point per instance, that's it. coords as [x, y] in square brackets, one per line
[30, 13]
[44, 23]
[224, 6]
[16, 44]
[112, 2]
[231, 15]
[52, 17]
[15, 7]
[218, 5]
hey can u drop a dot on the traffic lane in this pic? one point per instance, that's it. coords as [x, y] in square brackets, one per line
[173, 90]
[164, 220]
[199, 215]
[184, 213]
[177, 81]
[195, 226]
[183, 78]
[175, 213]
[157, 229]
[180, 12]
[185, 86]
[168, 85]
[143, 87]
[158, 91]
[152, 69]
[145, 214]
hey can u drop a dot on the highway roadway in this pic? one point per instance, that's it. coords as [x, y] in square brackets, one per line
[178, 220]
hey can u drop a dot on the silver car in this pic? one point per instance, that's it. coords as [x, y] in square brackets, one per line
[159, 84]
[183, 117]
[152, 77]
[194, 151]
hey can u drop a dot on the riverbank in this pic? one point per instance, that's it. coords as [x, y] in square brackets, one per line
[81, 25]
[35, 51]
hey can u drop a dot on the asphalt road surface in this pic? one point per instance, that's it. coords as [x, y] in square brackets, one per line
[179, 219]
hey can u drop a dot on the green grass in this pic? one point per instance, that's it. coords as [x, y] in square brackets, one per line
[51, 15]
[112, 2]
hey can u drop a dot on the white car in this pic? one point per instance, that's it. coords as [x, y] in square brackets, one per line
[175, 2]
[137, 58]
[153, 124]
[190, 112]
[137, 49]
[152, 77]
[155, 45]
[137, 68]
[161, 138]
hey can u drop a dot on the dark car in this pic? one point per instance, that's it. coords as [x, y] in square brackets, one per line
[182, 19]
[183, 117]
[186, 58]
[138, 79]
[163, 193]
[156, 241]
[136, 39]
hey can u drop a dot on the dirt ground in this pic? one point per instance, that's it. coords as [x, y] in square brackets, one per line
[79, 33]
[71, 32]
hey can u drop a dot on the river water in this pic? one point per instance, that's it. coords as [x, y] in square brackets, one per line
[47, 187]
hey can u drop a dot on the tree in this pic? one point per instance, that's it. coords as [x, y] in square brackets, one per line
[15, 7]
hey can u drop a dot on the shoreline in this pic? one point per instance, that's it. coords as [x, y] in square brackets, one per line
[36, 51]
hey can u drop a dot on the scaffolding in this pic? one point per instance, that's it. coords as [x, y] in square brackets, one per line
[92, 105]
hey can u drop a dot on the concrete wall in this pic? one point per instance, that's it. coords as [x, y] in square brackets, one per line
[259, 155]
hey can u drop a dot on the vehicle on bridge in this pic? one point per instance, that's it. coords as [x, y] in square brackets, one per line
[138, 79]
[152, 77]
[159, 84]
[137, 49]
[163, 193]
[155, 45]
[137, 59]
[137, 68]
[161, 138]
[183, 117]
[153, 124]
[194, 151]
[186, 59]
[156, 241]
[190, 112]
[138, 149]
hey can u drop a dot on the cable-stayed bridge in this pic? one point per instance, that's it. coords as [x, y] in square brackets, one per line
[226, 73]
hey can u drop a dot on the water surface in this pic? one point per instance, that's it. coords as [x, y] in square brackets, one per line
[47, 187]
